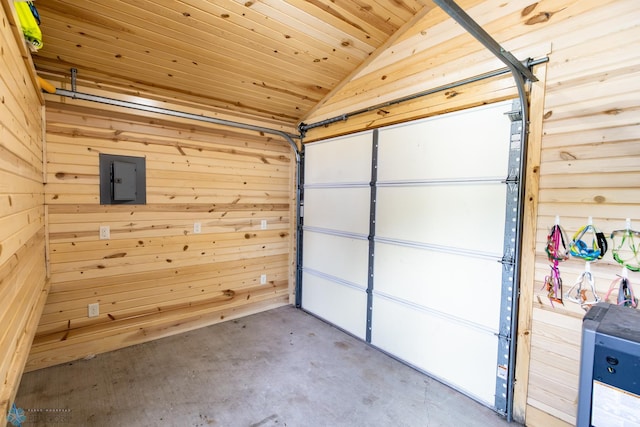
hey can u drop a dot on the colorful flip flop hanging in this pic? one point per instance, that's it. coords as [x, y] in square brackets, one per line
[553, 282]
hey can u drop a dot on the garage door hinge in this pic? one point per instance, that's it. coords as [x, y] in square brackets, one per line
[504, 337]
[512, 178]
[514, 115]
[507, 260]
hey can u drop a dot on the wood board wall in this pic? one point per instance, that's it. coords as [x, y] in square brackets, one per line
[588, 165]
[23, 286]
[155, 276]
[584, 157]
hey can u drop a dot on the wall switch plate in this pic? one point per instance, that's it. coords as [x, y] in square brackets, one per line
[263, 224]
[263, 279]
[93, 310]
[105, 232]
[197, 228]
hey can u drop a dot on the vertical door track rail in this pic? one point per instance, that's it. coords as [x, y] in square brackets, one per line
[509, 288]
[372, 233]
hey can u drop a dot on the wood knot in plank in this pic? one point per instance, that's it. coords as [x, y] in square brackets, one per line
[116, 255]
[547, 114]
[565, 155]
[229, 293]
[599, 199]
[527, 10]
[539, 18]
[613, 111]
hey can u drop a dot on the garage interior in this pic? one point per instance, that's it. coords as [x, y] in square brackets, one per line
[392, 168]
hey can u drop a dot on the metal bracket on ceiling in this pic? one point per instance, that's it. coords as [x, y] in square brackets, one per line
[473, 28]
[74, 77]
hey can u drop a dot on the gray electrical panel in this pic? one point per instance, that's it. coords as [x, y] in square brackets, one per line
[122, 180]
[609, 392]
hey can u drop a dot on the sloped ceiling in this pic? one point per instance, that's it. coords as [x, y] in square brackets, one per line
[275, 59]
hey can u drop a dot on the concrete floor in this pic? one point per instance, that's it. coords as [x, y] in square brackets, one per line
[278, 368]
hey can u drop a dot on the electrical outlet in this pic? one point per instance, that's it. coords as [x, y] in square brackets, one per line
[263, 224]
[263, 279]
[197, 228]
[105, 232]
[93, 309]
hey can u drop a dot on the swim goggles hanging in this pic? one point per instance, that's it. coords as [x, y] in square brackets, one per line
[626, 253]
[596, 250]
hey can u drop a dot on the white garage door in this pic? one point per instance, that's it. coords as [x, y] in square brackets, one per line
[409, 235]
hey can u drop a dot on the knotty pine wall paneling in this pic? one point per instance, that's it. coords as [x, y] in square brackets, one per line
[155, 276]
[23, 286]
[587, 142]
[590, 166]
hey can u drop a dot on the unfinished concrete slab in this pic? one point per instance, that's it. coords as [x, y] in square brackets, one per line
[278, 368]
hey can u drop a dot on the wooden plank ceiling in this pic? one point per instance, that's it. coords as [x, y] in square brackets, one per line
[274, 59]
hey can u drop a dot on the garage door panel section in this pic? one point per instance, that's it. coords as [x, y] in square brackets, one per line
[337, 256]
[337, 303]
[469, 217]
[324, 164]
[461, 355]
[461, 145]
[464, 287]
[343, 209]
[337, 206]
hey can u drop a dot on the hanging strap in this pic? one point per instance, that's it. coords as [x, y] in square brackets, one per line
[554, 239]
[553, 285]
[553, 282]
[626, 296]
[580, 294]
